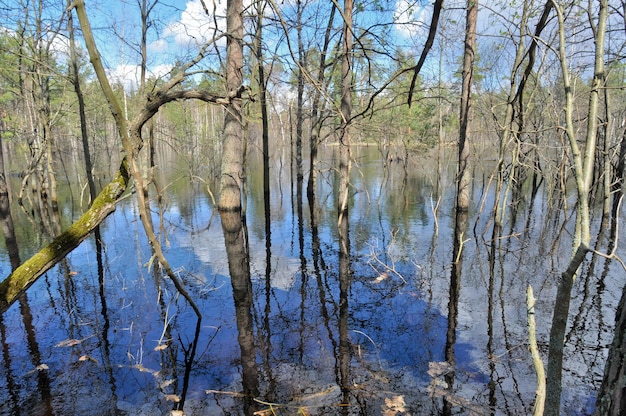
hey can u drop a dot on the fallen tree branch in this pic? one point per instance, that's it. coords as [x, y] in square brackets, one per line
[29, 271]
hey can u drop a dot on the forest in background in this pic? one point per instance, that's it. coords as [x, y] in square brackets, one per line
[537, 86]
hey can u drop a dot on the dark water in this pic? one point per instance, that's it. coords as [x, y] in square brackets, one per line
[105, 333]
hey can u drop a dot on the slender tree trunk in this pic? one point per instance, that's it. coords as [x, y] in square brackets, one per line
[232, 158]
[464, 179]
[300, 95]
[346, 111]
[583, 173]
[260, 8]
[343, 203]
[316, 114]
[81, 107]
[460, 228]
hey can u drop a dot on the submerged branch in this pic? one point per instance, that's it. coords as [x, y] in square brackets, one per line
[540, 398]
[27, 273]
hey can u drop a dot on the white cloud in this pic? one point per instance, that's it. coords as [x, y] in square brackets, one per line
[412, 17]
[159, 45]
[128, 75]
[195, 27]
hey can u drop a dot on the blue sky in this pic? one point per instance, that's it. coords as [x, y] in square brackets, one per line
[180, 26]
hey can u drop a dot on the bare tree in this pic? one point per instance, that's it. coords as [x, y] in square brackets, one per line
[130, 133]
[75, 79]
[469, 51]
[317, 115]
[583, 166]
[233, 156]
[346, 111]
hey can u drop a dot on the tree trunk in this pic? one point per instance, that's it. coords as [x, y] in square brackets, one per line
[232, 158]
[299, 96]
[81, 107]
[583, 165]
[346, 111]
[28, 272]
[260, 8]
[344, 190]
[316, 114]
[463, 179]
[239, 270]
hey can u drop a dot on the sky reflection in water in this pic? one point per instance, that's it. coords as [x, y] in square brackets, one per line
[101, 347]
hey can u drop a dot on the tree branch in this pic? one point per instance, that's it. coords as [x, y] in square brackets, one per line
[29, 271]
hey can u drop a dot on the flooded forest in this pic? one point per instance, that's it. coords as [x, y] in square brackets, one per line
[358, 207]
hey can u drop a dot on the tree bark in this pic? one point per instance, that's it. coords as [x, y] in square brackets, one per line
[232, 158]
[343, 203]
[299, 94]
[258, 49]
[346, 112]
[28, 272]
[583, 173]
[81, 107]
[463, 178]
[239, 270]
[316, 114]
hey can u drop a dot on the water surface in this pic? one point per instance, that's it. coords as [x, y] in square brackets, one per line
[427, 331]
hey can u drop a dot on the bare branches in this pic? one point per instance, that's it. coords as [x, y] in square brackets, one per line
[434, 22]
[130, 133]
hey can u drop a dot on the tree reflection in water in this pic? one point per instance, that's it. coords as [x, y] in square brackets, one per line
[291, 319]
[239, 267]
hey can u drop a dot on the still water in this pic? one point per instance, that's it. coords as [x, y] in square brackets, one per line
[420, 329]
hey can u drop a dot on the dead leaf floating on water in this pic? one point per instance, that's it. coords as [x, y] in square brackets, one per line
[382, 277]
[439, 368]
[394, 405]
[40, 367]
[143, 369]
[87, 358]
[69, 343]
[172, 398]
[72, 342]
[166, 383]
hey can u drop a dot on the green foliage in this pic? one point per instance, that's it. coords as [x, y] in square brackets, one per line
[9, 83]
[394, 122]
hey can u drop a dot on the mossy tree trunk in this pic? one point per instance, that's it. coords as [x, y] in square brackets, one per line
[130, 134]
[28, 272]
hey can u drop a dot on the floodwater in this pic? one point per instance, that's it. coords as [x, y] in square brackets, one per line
[417, 326]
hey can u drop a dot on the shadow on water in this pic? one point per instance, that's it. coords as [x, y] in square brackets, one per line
[401, 310]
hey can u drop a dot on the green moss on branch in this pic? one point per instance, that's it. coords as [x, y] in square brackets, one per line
[30, 270]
